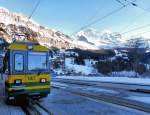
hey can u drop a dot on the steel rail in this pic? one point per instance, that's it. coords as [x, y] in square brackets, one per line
[103, 84]
[109, 99]
[35, 108]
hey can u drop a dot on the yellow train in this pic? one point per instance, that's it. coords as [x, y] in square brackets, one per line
[27, 68]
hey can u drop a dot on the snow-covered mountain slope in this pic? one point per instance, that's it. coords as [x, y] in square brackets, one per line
[108, 39]
[16, 26]
[20, 27]
[85, 45]
[105, 39]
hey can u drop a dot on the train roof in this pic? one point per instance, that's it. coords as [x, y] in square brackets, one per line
[25, 46]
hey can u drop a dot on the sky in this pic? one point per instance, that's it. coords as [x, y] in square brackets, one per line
[68, 16]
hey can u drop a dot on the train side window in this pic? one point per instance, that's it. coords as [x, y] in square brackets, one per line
[19, 62]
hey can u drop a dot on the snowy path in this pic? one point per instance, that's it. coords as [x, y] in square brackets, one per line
[65, 103]
[8, 109]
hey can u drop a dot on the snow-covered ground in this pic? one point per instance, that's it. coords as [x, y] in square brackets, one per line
[70, 67]
[79, 69]
[144, 99]
[126, 80]
[8, 109]
[64, 103]
[104, 90]
[101, 90]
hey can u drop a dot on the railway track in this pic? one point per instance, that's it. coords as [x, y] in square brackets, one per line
[109, 99]
[112, 85]
[35, 108]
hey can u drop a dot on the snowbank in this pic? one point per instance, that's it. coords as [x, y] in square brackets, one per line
[126, 80]
[82, 69]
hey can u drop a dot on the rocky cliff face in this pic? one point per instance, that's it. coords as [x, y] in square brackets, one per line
[15, 26]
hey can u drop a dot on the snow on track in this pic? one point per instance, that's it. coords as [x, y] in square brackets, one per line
[101, 90]
[140, 99]
[62, 102]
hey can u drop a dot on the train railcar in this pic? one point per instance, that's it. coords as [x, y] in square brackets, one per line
[27, 71]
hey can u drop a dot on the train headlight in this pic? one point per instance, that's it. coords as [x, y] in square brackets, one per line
[30, 47]
[43, 80]
[18, 81]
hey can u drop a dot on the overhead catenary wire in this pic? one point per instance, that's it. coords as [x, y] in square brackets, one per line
[34, 8]
[147, 31]
[145, 11]
[133, 4]
[94, 15]
[29, 17]
[102, 18]
[132, 22]
[32, 12]
[99, 19]
[120, 2]
[136, 5]
[137, 28]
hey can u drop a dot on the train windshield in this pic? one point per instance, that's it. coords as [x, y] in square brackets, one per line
[37, 61]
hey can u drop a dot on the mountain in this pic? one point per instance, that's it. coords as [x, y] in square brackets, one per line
[138, 42]
[16, 26]
[105, 39]
[109, 40]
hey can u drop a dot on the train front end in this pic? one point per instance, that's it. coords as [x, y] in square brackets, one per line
[28, 71]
